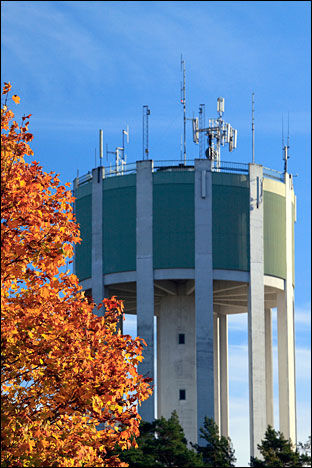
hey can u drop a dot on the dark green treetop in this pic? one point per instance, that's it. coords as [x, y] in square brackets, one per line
[279, 452]
[162, 444]
[218, 451]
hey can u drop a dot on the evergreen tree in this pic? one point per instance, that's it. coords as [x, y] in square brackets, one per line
[161, 444]
[279, 452]
[218, 451]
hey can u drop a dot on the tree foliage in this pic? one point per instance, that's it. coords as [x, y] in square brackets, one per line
[217, 450]
[65, 371]
[162, 444]
[279, 452]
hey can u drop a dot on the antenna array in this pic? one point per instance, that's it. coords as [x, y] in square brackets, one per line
[119, 153]
[218, 133]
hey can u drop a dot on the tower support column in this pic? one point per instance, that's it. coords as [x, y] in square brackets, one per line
[216, 363]
[269, 367]
[145, 279]
[286, 331]
[224, 375]
[97, 230]
[256, 325]
[204, 292]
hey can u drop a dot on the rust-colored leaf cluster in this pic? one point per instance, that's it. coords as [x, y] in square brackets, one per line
[70, 387]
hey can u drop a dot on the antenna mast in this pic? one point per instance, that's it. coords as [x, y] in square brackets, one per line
[101, 147]
[146, 113]
[201, 126]
[285, 147]
[184, 107]
[253, 127]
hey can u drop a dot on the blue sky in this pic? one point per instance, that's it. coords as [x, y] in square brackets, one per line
[82, 66]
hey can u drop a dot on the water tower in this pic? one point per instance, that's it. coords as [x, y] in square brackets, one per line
[190, 243]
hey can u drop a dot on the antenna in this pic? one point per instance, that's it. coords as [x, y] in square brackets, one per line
[195, 130]
[184, 106]
[101, 147]
[285, 147]
[124, 132]
[181, 146]
[201, 114]
[146, 113]
[253, 127]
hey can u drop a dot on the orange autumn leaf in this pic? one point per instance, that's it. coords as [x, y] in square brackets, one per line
[65, 370]
[16, 99]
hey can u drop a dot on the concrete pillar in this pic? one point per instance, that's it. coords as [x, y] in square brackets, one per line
[204, 292]
[144, 271]
[224, 375]
[269, 367]
[97, 230]
[256, 327]
[216, 363]
[286, 331]
[286, 367]
[176, 362]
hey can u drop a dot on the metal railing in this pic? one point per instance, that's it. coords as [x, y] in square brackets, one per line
[229, 166]
[273, 174]
[85, 178]
[178, 165]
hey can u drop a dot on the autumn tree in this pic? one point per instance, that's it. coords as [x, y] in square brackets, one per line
[70, 387]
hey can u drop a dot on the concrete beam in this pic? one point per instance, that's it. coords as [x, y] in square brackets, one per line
[167, 286]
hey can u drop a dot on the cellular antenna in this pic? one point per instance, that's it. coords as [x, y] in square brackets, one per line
[184, 107]
[146, 113]
[253, 127]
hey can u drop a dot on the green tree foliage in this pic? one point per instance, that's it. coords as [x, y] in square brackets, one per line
[279, 452]
[161, 444]
[218, 451]
[305, 449]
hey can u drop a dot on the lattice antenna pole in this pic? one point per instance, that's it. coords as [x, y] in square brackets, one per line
[285, 147]
[183, 101]
[253, 126]
[146, 113]
[201, 126]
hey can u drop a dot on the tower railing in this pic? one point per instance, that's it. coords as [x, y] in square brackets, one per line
[178, 165]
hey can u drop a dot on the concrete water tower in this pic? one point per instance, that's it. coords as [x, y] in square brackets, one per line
[190, 244]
